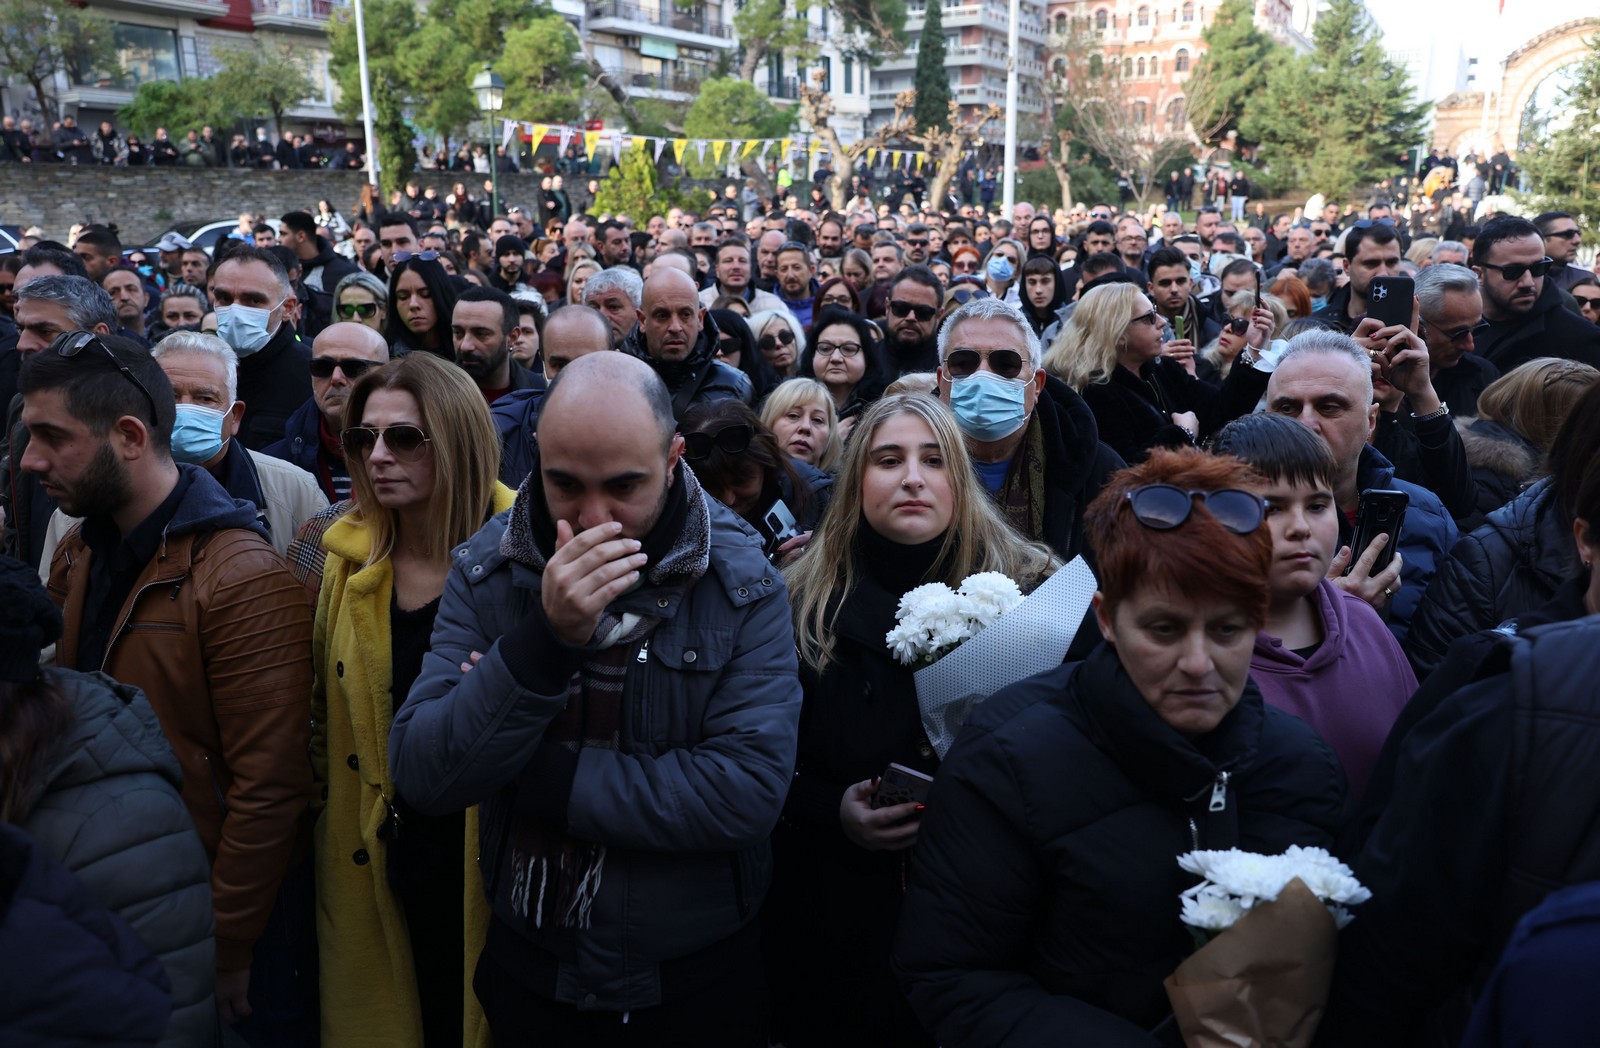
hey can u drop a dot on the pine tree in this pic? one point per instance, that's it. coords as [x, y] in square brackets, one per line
[932, 82]
[1231, 76]
[1341, 116]
[1563, 166]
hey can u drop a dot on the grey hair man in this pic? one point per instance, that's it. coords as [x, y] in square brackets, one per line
[1451, 252]
[1324, 382]
[1450, 307]
[618, 294]
[1018, 419]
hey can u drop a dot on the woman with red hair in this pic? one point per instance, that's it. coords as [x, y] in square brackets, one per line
[1043, 906]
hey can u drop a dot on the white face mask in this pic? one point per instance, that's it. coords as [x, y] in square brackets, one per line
[245, 328]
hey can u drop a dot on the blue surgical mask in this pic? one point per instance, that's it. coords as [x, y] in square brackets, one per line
[244, 327]
[146, 270]
[989, 407]
[1194, 271]
[1000, 268]
[197, 433]
[1317, 303]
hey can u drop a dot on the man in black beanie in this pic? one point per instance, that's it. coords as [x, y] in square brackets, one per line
[509, 254]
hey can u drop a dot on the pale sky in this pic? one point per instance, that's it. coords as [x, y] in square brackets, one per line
[1473, 24]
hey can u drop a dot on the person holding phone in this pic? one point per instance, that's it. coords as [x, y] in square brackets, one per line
[1042, 906]
[907, 510]
[740, 464]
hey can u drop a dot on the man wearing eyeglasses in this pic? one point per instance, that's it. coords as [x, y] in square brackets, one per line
[169, 585]
[342, 353]
[912, 300]
[1524, 310]
[1562, 238]
[1587, 296]
[1450, 307]
[1033, 440]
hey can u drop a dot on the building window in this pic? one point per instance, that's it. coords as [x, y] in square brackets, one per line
[849, 76]
[1188, 11]
[144, 53]
[774, 72]
[1144, 16]
[1127, 67]
[827, 73]
[1141, 113]
[1141, 67]
[1061, 25]
[1176, 115]
[1180, 61]
[1097, 67]
[1100, 19]
[1155, 66]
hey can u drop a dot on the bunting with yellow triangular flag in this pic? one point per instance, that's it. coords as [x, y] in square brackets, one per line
[678, 146]
[719, 147]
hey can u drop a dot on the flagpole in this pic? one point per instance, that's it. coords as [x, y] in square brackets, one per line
[366, 102]
[1009, 198]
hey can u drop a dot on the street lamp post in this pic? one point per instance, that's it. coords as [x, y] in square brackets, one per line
[491, 93]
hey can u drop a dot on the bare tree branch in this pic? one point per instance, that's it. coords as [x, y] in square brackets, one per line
[817, 108]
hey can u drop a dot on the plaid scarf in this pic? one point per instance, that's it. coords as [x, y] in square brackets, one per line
[1022, 494]
[556, 877]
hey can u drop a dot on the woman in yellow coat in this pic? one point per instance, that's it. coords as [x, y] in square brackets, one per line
[401, 911]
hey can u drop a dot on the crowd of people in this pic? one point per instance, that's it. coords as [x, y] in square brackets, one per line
[435, 625]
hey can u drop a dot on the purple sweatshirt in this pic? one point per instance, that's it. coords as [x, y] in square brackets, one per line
[1350, 690]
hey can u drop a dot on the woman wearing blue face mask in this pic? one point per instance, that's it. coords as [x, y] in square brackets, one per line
[1002, 269]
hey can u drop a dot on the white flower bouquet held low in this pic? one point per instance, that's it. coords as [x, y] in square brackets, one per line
[972, 641]
[1268, 928]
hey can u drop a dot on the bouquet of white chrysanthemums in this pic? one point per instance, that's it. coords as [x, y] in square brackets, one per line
[932, 619]
[970, 642]
[1235, 882]
[1268, 925]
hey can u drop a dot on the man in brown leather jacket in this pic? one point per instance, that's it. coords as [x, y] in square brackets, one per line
[168, 585]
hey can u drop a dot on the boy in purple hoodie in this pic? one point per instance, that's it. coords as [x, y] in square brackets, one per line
[1324, 655]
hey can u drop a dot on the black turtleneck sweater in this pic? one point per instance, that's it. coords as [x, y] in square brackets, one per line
[907, 359]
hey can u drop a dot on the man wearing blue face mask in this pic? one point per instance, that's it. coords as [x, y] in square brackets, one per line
[203, 372]
[251, 294]
[1033, 440]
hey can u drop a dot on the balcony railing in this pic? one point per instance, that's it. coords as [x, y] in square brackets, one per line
[681, 82]
[786, 87]
[683, 21]
[317, 10]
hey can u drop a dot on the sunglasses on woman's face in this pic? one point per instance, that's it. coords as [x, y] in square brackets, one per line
[1163, 507]
[768, 343]
[1238, 325]
[731, 440]
[406, 443]
[364, 310]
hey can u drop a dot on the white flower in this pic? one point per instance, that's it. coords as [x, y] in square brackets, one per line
[1208, 908]
[990, 595]
[1329, 879]
[933, 598]
[1246, 878]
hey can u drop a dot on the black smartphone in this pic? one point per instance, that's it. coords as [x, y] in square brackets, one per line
[901, 785]
[780, 525]
[1381, 513]
[1389, 300]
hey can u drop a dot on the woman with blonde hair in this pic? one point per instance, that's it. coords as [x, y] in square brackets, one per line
[400, 924]
[907, 509]
[1519, 415]
[1111, 352]
[578, 274]
[800, 413]
[780, 339]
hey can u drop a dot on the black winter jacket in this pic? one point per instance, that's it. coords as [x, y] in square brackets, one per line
[1043, 904]
[1548, 330]
[1503, 464]
[1133, 412]
[273, 383]
[1076, 465]
[1494, 807]
[699, 377]
[1510, 565]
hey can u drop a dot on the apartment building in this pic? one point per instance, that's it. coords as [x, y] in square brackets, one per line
[976, 55]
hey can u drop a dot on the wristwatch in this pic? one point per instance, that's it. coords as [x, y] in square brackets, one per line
[1442, 410]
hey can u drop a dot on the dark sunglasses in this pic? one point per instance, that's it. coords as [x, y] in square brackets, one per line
[1567, 234]
[1583, 300]
[404, 442]
[768, 343]
[727, 345]
[1163, 507]
[420, 256]
[917, 243]
[1238, 325]
[1144, 318]
[905, 309]
[731, 440]
[1514, 270]
[322, 367]
[364, 310]
[961, 296]
[959, 363]
[74, 342]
